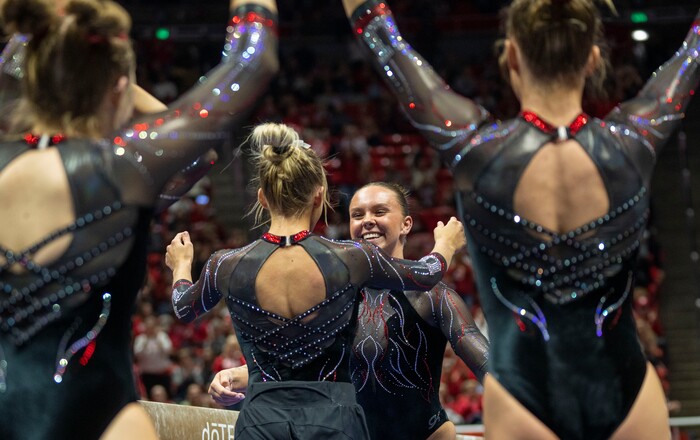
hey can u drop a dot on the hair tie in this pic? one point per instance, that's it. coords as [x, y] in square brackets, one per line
[300, 144]
[99, 39]
[95, 39]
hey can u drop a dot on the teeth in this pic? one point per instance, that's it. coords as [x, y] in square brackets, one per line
[370, 236]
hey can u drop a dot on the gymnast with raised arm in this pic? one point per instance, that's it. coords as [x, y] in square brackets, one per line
[78, 192]
[554, 203]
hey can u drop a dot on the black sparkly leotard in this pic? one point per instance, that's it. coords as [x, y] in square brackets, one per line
[548, 297]
[311, 350]
[65, 339]
[396, 363]
[314, 346]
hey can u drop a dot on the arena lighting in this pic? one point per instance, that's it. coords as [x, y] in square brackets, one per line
[639, 17]
[162, 33]
[640, 35]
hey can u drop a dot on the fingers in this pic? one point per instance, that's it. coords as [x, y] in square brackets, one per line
[228, 398]
[219, 390]
[185, 237]
[181, 238]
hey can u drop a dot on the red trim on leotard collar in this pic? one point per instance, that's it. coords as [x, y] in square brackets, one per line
[33, 140]
[545, 127]
[377, 10]
[286, 240]
[251, 17]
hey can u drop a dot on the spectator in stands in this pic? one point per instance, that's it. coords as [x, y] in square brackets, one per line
[152, 350]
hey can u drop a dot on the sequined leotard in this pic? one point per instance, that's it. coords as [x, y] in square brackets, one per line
[397, 357]
[547, 296]
[317, 349]
[65, 351]
[315, 346]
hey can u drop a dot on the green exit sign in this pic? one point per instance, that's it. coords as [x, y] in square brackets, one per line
[639, 17]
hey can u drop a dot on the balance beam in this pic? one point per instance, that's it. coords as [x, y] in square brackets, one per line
[177, 422]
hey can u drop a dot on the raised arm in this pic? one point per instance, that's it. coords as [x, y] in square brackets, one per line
[658, 108]
[189, 299]
[445, 118]
[185, 179]
[443, 308]
[157, 146]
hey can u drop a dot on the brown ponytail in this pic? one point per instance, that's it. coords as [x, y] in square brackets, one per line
[71, 69]
[556, 38]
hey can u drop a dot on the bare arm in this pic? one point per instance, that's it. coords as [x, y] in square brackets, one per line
[145, 103]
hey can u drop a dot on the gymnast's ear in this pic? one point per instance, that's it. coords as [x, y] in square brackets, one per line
[319, 196]
[262, 199]
[512, 54]
[594, 60]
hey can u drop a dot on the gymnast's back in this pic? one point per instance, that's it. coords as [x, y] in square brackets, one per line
[555, 208]
[299, 326]
[78, 192]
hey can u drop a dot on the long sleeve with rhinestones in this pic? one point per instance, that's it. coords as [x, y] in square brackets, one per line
[442, 307]
[11, 62]
[156, 146]
[183, 181]
[656, 111]
[384, 272]
[446, 119]
[369, 266]
[192, 300]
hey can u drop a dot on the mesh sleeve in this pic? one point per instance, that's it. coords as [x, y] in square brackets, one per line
[371, 267]
[157, 146]
[191, 300]
[11, 73]
[656, 111]
[446, 119]
[443, 308]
